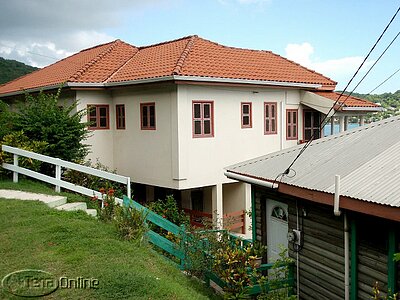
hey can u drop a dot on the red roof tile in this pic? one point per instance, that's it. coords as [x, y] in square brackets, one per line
[190, 56]
[345, 101]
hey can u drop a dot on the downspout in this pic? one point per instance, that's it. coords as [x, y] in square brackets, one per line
[354, 262]
[337, 212]
[297, 257]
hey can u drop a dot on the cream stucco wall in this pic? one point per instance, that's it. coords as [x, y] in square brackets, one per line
[169, 156]
[201, 160]
[100, 141]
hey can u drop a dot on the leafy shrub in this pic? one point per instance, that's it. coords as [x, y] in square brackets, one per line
[169, 210]
[105, 205]
[130, 223]
[94, 182]
[20, 140]
[6, 120]
[43, 119]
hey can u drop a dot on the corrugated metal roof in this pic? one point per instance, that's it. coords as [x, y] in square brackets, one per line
[367, 159]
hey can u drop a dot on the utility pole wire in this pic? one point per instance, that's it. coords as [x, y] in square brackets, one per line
[384, 81]
[307, 144]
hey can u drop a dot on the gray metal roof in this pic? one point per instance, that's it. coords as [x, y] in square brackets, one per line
[367, 159]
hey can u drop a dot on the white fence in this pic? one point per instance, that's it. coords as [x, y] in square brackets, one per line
[59, 164]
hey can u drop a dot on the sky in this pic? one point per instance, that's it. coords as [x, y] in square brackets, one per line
[330, 37]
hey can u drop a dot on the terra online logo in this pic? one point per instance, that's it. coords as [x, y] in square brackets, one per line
[37, 283]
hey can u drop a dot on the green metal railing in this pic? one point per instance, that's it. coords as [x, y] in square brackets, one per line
[177, 250]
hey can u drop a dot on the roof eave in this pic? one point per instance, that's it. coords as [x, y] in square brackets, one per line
[248, 81]
[360, 108]
[169, 78]
[32, 90]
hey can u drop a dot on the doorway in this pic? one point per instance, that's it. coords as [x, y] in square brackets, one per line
[277, 228]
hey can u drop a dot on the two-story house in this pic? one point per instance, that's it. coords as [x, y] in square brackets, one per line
[172, 115]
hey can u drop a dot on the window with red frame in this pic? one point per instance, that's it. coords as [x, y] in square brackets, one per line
[246, 115]
[291, 124]
[98, 116]
[148, 116]
[203, 119]
[270, 118]
[120, 116]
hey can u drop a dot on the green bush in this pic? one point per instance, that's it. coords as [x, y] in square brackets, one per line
[6, 120]
[94, 182]
[130, 223]
[43, 119]
[20, 140]
[168, 209]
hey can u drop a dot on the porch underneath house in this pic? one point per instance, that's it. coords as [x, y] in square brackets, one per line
[219, 206]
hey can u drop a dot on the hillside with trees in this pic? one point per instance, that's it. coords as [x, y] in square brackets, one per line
[11, 69]
[389, 101]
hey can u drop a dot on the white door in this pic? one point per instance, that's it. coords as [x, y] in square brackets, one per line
[277, 228]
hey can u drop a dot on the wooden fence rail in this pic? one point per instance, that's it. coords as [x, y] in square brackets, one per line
[59, 164]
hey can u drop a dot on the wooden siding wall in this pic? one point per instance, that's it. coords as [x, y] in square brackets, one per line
[322, 255]
[372, 255]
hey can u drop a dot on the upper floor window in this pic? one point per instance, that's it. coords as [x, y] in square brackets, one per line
[203, 119]
[98, 116]
[120, 116]
[246, 114]
[270, 118]
[148, 116]
[291, 124]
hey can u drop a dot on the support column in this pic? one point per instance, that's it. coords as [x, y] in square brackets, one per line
[149, 193]
[341, 124]
[332, 125]
[247, 205]
[346, 123]
[217, 205]
[362, 120]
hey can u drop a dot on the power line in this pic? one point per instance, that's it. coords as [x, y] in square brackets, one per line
[34, 53]
[307, 144]
[369, 70]
[384, 81]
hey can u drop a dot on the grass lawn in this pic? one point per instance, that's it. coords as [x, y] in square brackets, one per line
[73, 244]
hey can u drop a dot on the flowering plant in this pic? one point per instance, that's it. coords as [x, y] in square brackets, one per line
[106, 205]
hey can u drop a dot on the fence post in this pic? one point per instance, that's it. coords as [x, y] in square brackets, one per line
[128, 188]
[15, 174]
[183, 247]
[58, 177]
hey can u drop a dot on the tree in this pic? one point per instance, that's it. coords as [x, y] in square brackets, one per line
[42, 118]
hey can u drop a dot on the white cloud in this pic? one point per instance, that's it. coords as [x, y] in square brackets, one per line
[339, 69]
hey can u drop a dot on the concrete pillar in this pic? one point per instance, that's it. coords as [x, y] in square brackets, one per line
[217, 205]
[247, 205]
[332, 125]
[341, 124]
[362, 120]
[346, 123]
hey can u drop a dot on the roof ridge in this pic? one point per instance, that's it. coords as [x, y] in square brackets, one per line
[123, 65]
[82, 70]
[184, 55]
[167, 42]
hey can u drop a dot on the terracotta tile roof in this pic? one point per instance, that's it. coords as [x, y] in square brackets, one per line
[90, 65]
[189, 56]
[349, 102]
